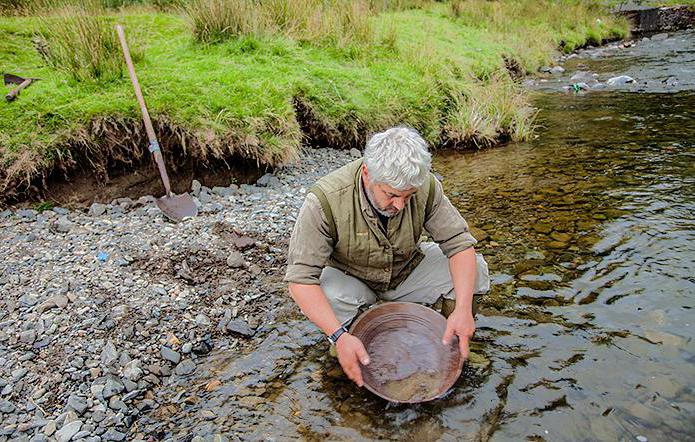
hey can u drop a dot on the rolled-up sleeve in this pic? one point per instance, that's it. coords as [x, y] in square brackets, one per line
[446, 225]
[310, 244]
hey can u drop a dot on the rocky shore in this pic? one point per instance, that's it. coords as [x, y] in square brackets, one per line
[103, 308]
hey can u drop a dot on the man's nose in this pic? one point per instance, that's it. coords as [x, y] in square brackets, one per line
[399, 203]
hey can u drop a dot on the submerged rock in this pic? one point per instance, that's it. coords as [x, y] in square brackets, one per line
[620, 81]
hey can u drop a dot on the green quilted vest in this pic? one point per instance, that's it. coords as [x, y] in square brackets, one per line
[361, 249]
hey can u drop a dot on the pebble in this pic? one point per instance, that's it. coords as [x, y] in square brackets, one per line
[66, 433]
[77, 403]
[170, 355]
[235, 260]
[113, 387]
[97, 209]
[186, 367]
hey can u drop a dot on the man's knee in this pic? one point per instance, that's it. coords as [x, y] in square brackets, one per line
[345, 293]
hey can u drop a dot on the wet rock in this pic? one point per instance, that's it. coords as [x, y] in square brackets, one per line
[66, 433]
[561, 237]
[240, 327]
[543, 228]
[620, 81]
[97, 209]
[170, 355]
[584, 77]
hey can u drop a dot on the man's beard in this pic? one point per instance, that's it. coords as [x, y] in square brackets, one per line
[370, 196]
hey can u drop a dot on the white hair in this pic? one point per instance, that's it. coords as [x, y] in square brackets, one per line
[398, 157]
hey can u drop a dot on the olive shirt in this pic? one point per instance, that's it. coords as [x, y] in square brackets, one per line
[311, 244]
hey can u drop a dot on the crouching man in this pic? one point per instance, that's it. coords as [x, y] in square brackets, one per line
[359, 239]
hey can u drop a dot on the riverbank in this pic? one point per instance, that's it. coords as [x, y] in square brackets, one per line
[448, 71]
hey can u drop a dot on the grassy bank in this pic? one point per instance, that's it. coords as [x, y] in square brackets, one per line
[260, 93]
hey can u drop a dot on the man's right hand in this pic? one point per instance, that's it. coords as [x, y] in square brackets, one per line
[351, 353]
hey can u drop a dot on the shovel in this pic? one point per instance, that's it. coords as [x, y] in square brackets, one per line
[21, 83]
[174, 207]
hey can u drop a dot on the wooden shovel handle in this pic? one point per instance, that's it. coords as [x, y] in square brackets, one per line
[154, 144]
[14, 92]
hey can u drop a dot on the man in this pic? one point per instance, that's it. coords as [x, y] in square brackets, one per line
[357, 240]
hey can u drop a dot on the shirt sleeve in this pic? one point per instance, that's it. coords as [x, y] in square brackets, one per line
[310, 244]
[446, 225]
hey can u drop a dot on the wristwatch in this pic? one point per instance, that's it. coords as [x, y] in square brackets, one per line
[338, 333]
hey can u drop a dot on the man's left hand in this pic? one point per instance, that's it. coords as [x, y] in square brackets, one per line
[461, 324]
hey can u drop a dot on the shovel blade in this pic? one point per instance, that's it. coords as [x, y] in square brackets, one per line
[177, 207]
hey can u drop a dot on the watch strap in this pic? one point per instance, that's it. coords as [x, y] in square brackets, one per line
[337, 334]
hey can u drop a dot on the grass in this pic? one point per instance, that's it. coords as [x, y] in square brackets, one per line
[262, 94]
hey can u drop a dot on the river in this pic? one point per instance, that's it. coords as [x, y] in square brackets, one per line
[588, 331]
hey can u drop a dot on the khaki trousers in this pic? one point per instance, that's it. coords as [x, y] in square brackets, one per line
[429, 282]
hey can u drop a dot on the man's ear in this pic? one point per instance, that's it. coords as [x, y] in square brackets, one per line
[365, 175]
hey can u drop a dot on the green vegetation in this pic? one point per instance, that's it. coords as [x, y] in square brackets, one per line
[287, 76]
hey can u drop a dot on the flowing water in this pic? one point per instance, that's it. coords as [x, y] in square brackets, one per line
[588, 331]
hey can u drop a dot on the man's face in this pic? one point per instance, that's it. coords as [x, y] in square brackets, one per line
[387, 200]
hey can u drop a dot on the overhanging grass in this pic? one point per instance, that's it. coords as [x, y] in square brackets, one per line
[423, 68]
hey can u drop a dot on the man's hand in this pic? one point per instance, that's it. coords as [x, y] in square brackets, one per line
[351, 353]
[461, 324]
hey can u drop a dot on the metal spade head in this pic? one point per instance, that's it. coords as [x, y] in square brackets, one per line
[177, 207]
[408, 362]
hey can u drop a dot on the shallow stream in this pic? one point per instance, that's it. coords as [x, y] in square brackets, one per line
[588, 332]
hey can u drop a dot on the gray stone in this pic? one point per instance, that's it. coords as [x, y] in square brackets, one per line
[27, 336]
[62, 225]
[195, 187]
[355, 153]
[5, 214]
[132, 371]
[170, 355]
[207, 415]
[239, 327]
[620, 81]
[97, 209]
[658, 37]
[186, 367]
[204, 197]
[109, 355]
[81, 435]
[66, 433]
[59, 301]
[113, 387]
[186, 348]
[202, 320]
[557, 70]
[116, 404]
[29, 214]
[7, 406]
[113, 435]
[77, 403]
[49, 428]
[235, 259]
[38, 438]
[61, 210]
[222, 191]
[19, 373]
[268, 180]
[28, 300]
